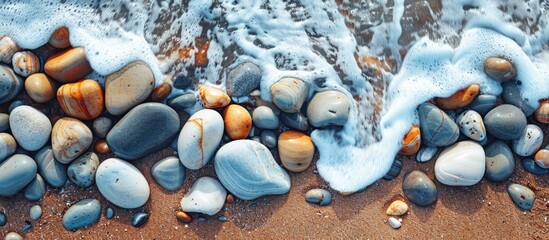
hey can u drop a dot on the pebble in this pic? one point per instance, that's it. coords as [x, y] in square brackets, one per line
[15, 104]
[500, 163]
[511, 95]
[500, 69]
[329, 108]
[199, 138]
[236, 165]
[269, 138]
[139, 219]
[411, 142]
[183, 217]
[202, 219]
[169, 173]
[53, 171]
[25, 63]
[182, 82]
[147, 128]
[319, 196]
[394, 171]
[30, 127]
[13, 236]
[183, 102]
[394, 223]
[213, 97]
[426, 153]
[462, 164]
[4, 122]
[529, 141]
[505, 122]
[36, 189]
[483, 103]
[459, 99]
[40, 87]
[542, 158]
[15, 173]
[3, 219]
[530, 166]
[296, 120]
[8, 47]
[397, 208]
[35, 212]
[471, 125]
[70, 138]
[161, 92]
[127, 87]
[238, 121]
[229, 199]
[109, 214]
[7, 146]
[82, 99]
[222, 219]
[69, 65]
[206, 196]
[264, 117]
[102, 126]
[243, 79]
[101, 147]
[296, 150]
[121, 183]
[419, 188]
[289, 94]
[521, 195]
[81, 214]
[60, 38]
[82, 170]
[437, 128]
[542, 113]
[27, 226]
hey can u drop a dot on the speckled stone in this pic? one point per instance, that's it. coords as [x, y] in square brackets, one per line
[82, 170]
[82, 214]
[264, 117]
[243, 79]
[471, 125]
[483, 103]
[530, 166]
[529, 141]
[319, 196]
[30, 127]
[437, 128]
[419, 188]
[505, 122]
[522, 196]
[296, 120]
[500, 163]
[169, 173]
[183, 102]
[329, 108]
[36, 189]
[54, 172]
[511, 95]
[15, 173]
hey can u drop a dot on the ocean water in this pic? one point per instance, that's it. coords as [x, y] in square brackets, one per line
[389, 56]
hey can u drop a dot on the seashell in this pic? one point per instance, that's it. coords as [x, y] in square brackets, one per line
[161, 92]
[542, 113]
[10, 84]
[411, 142]
[462, 164]
[213, 97]
[296, 150]
[542, 158]
[289, 94]
[460, 98]
[67, 66]
[500, 69]
[25, 63]
[529, 142]
[83, 99]
[7, 48]
[69, 139]
[40, 87]
[471, 125]
[397, 208]
[60, 38]
[238, 121]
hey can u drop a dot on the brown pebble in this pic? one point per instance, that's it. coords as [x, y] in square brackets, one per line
[161, 92]
[40, 87]
[183, 217]
[500, 69]
[460, 98]
[67, 66]
[230, 199]
[60, 38]
[101, 147]
[83, 99]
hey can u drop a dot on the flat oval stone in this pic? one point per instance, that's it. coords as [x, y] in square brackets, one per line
[530, 166]
[436, 127]
[102, 126]
[511, 95]
[199, 138]
[70, 138]
[394, 223]
[4, 122]
[15, 173]
[329, 108]
[500, 163]
[81, 214]
[82, 99]
[68, 65]
[127, 87]
[40, 87]
[462, 164]
[25, 63]
[213, 97]
[30, 127]
[35, 212]
[296, 150]
[522, 196]
[52, 170]
[238, 121]
[7, 146]
[60, 38]
[236, 165]
[319, 196]
[10, 84]
[505, 122]
[296, 120]
[542, 158]
[426, 153]
[411, 142]
[264, 117]
[147, 128]
[460, 98]
[471, 125]
[207, 196]
[269, 138]
[82, 170]
[542, 113]
[183, 217]
[419, 188]
[183, 102]
[243, 79]
[121, 183]
[169, 173]
[394, 171]
[483, 103]
[289, 94]
[8, 47]
[500, 69]
[36, 189]
[529, 141]
[139, 219]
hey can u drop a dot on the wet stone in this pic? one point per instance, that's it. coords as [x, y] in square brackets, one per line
[511, 95]
[82, 170]
[394, 171]
[529, 141]
[500, 69]
[54, 172]
[3, 219]
[243, 79]
[268, 138]
[505, 122]
[222, 219]
[521, 195]
[183, 102]
[471, 125]
[264, 117]
[483, 103]
[182, 82]
[437, 129]
[169, 173]
[296, 120]
[82, 214]
[4, 122]
[419, 188]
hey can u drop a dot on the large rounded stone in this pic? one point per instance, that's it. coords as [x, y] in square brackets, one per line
[289, 94]
[82, 99]
[419, 188]
[145, 129]
[122, 184]
[329, 108]
[500, 163]
[15, 173]
[10, 84]
[128, 87]
[52, 170]
[82, 214]
[206, 196]
[462, 164]
[69, 139]
[199, 138]
[243, 79]
[505, 122]
[437, 128]
[30, 127]
[68, 66]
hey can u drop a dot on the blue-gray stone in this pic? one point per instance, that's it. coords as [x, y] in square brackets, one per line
[521, 195]
[3, 219]
[81, 171]
[169, 173]
[183, 102]
[109, 213]
[82, 214]
[182, 82]
[511, 95]
[483, 103]
[222, 219]
[236, 165]
[419, 188]
[10, 84]
[139, 219]
[264, 117]
[530, 166]
[295, 120]
[269, 138]
[27, 226]
[426, 153]
[4, 122]
[15, 104]
[15, 173]
[505, 122]
[394, 171]
[201, 218]
[437, 129]
[35, 212]
[500, 163]
[36, 189]
[243, 79]
[318, 196]
[147, 128]
[53, 171]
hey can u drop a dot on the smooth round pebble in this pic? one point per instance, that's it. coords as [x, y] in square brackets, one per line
[60, 38]
[238, 121]
[207, 196]
[529, 141]
[127, 87]
[169, 173]
[15, 173]
[36, 189]
[295, 150]
[394, 171]
[329, 108]
[505, 122]
[426, 153]
[222, 219]
[160, 92]
[471, 125]
[8, 47]
[542, 158]
[81, 214]
[269, 138]
[394, 223]
[25, 63]
[521, 195]
[109, 213]
[500, 163]
[542, 113]
[319, 196]
[40, 87]
[101, 147]
[419, 188]
[213, 98]
[530, 166]
[397, 208]
[53, 171]
[199, 138]
[30, 127]
[139, 219]
[296, 120]
[264, 117]
[289, 94]
[13, 236]
[500, 69]
[462, 164]
[35, 212]
[69, 139]
[82, 170]
[7, 146]
[102, 126]
[10, 84]
[3, 219]
[69, 65]
[411, 142]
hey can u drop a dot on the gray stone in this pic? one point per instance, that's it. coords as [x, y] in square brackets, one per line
[82, 214]
[139, 219]
[109, 213]
[15, 173]
[521, 195]
[437, 129]
[269, 138]
[169, 173]
[419, 188]
[36, 189]
[530, 166]
[147, 128]
[394, 171]
[529, 141]
[236, 165]
[511, 95]
[10, 84]
[426, 153]
[500, 163]
[243, 79]
[13, 236]
[483, 103]
[264, 117]
[54, 172]
[30, 127]
[319, 196]
[102, 126]
[182, 82]
[329, 108]
[82, 170]
[8, 145]
[35, 212]
[505, 122]
[4, 122]
[296, 121]
[183, 102]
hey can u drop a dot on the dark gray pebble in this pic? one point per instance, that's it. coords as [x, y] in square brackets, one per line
[202, 219]
[296, 121]
[243, 79]
[394, 171]
[419, 188]
[500, 163]
[15, 104]
[139, 219]
[505, 122]
[268, 138]
[183, 102]
[26, 226]
[511, 95]
[182, 82]
[483, 103]
[3, 219]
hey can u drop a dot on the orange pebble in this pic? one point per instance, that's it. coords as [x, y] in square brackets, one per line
[542, 158]
[161, 92]
[296, 150]
[68, 66]
[101, 147]
[60, 38]
[213, 97]
[542, 113]
[83, 99]
[183, 217]
[411, 142]
[238, 121]
[460, 98]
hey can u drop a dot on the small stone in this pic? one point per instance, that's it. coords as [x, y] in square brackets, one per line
[222, 219]
[459, 99]
[68, 65]
[394, 171]
[199, 138]
[296, 120]
[296, 150]
[419, 188]
[25, 63]
[70, 138]
[207, 196]
[15, 104]
[243, 79]
[471, 125]
[542, 113]
[319, 196]
[289, 94]
[169, 173]
[3, 219]
[82, 99]
[542, 158]
[122, 184]
[183, 217]
[213, 97]
[30, 127]
[411, 142]
[483, 103]
[183, 102]
[10, 84]
[60, 38]
[264, 117]
[426, 153]
[437, 129]
[4, 122]
[7, 146]
[182, 82]
[511, 95]
[500, 69]
[101, 147]
[102, 126]
[36, 189]
[82, 170]
[81, 214]
[329, 108]
[462, 164]
[238, 121]
[40, 87]
[229, 199]
[15, 173]
[127, 87]
[53, 171]
[109, 214]
[13, 236]
[394, 223]
[505, 122]
[269, 138]
[530, 166]
[161, 92]
[202, 219]
[8, 48]
[139, 219]
[500, 163]
[529, 141]
[27, 226]
[397, 208]
[522, 196]
[35, 212]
